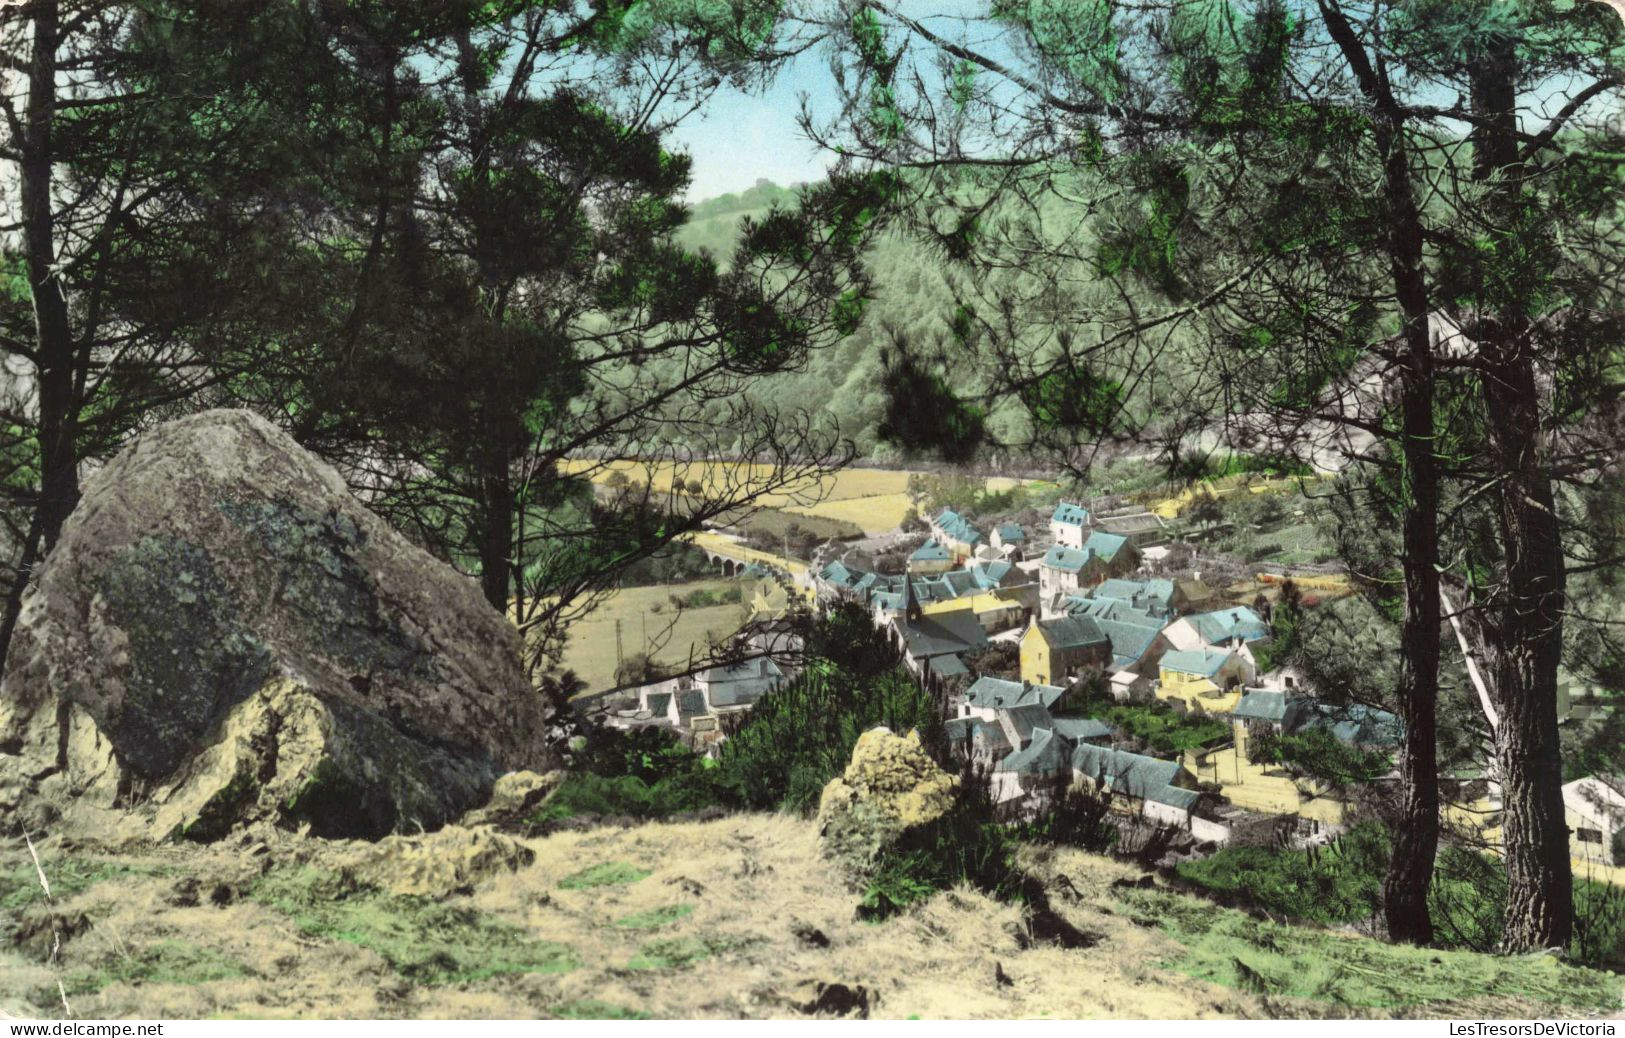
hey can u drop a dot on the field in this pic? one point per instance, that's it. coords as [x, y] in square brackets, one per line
[590, 651]
[737, 917]
[871, 500]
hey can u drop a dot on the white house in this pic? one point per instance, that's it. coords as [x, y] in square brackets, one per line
[1594, 808]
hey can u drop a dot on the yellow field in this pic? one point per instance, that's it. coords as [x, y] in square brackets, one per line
[876, 514]
[590, 650]
[873, 499]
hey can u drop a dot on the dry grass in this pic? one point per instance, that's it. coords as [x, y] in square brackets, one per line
[680, 920]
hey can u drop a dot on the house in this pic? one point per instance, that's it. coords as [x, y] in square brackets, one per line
[1152, 596]
[1007, 727]
[930, 557]
[1009, 539]
[933, 647]
[1066, 570]
[1063, 571]
[1063, 648]
[1136, 641]
[1270, 788]
[1068, 524]
[1143, 529]
[1595, 810]
[997, 573]
[1205, 679]
[988, 696]
[1163, 791]
[738, 685]
[956, 533]
[1217, 629]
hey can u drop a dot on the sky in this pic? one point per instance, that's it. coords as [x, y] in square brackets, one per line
[742, 137]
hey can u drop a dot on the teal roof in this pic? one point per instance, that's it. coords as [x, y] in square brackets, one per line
[956, 527]
[1070, 514]
[1152, 595]
[1225, 625]
[1131, 631]
[1106, 545]
[930, 551]
[991, 574]
[1194, 661]
[1011, 532]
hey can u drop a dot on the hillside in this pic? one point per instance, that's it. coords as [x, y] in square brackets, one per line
[733, 917]
[843, 382]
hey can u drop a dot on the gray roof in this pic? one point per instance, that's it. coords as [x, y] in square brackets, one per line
[1083, 729]
[1045, 755]
[1072, 632]
[1261, 705]
[1132, 774]
[997, 693]
[942, 634]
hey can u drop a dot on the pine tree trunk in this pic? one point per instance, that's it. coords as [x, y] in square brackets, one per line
[1524, 628]
[496, 535]
[56, 357]
[1416, 842]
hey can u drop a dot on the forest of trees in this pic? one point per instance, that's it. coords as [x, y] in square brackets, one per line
[445, 245]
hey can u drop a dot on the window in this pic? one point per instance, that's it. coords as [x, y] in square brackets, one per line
[1589, 835]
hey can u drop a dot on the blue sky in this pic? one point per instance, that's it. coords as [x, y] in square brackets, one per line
[741, 137]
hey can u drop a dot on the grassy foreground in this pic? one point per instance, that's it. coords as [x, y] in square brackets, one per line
[650, 921]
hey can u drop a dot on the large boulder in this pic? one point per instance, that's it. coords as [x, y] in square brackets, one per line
[891, 788]
[224, 635]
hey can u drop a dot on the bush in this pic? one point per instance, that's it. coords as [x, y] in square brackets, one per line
[965, 845]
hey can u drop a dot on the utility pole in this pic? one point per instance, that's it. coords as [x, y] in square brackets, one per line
[618, 642]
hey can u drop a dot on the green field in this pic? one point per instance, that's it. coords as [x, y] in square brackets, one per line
[590, 651]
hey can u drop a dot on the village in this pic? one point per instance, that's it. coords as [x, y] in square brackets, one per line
[1087, 651]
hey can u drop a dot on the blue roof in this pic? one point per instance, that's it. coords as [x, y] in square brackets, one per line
[956, 527]
[1011, 532]
[1131, 631]
[1224, 625]
[1070, 514]
[1194, 661]
[930, 551]
[1353, 723]
[991, 574]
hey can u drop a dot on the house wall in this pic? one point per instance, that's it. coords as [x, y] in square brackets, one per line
[1067, 535]
[1035, 657]
[1586, 817]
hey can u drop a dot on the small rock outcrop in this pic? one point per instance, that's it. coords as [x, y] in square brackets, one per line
[224, 635]
[890, 787]
[439, 864]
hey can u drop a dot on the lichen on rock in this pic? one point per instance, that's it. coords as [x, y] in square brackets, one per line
[223, 636]
[890, 787]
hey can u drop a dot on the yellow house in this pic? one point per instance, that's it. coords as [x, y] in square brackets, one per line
[1055, 651]
[1204, 679]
